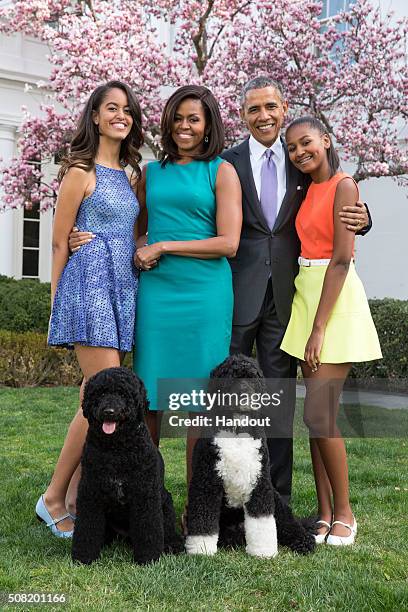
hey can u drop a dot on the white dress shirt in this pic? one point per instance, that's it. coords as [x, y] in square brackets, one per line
[256, 152]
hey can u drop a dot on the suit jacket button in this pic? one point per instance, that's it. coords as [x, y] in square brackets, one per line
[267, 262]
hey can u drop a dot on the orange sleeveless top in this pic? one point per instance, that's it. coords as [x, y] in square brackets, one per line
[315, 219]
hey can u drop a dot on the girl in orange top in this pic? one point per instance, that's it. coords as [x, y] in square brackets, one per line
[330, 325]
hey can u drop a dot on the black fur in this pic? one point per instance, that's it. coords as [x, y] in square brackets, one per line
[122, 484]
[208, 511]
[206, 490]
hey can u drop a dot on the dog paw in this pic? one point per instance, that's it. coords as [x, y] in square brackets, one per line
[309, 524]
[304, 546]
[201, 544]
[265, 553]
[261, 536]
[83, 560]
[146, 560]
[175, 547]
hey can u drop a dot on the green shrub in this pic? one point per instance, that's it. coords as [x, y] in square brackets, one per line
[27, 361]
[24, 305]
[391, 320]
[25, 358]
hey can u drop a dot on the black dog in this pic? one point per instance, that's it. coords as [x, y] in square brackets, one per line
[122, 486]
[231, 497]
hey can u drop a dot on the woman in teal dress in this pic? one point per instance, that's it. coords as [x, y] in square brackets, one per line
[192, 199]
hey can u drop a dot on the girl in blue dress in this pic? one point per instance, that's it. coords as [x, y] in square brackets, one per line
[191, 204]
[93, 292]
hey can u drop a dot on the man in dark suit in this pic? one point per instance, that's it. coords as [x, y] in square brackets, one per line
[266, 263]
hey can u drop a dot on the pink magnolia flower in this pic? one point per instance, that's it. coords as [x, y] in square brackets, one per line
[351, 72]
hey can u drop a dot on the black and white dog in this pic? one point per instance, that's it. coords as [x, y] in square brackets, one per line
[231, 474]
[122, 483]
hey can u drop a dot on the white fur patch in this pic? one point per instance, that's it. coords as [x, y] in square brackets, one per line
[201, 544]
[260, 535]
[239, 465]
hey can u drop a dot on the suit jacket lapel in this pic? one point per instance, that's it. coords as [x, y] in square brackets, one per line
[293, 186]
[244, 169]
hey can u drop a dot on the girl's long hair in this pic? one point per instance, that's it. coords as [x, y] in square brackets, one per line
[85, 142]
[313, 122]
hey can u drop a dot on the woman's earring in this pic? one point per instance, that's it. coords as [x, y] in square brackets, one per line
[206, 139]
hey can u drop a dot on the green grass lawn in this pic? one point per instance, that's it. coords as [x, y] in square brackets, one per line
[372, 575]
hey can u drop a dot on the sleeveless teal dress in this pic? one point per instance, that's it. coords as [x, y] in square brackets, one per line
[184, 305]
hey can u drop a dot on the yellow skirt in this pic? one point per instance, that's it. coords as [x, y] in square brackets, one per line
[350, 334]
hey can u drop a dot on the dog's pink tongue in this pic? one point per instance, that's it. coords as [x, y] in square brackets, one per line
[108, 427]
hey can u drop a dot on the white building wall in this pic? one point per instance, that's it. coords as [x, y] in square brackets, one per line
[399, 7]
[22, 61]
[7, 219]
[381, 255]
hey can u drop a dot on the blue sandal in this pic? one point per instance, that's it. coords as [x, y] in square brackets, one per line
[44, 516]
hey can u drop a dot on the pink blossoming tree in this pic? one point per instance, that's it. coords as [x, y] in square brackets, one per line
[350, 71]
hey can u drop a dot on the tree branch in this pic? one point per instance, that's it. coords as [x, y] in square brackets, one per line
[221, 29]
[396, 170]
[200, 39]
[89, 4]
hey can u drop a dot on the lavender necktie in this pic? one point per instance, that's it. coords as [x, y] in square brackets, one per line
[269, 189]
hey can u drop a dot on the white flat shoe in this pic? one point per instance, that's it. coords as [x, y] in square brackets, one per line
[320, 537]
[335, 540]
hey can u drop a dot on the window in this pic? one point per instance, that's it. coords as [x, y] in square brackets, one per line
[31, 237]
[330, 8]
[31, 242]
[334, 7]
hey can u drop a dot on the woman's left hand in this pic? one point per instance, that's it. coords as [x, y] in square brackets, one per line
[147, 256]
[313, 349]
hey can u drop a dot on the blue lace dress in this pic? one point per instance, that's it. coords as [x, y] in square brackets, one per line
[94, 303]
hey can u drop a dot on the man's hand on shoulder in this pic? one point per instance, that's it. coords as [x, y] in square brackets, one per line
[355, 217]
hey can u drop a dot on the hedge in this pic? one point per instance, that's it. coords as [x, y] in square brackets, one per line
[391, 320]
[27, 361]
[25, 358]
[24, 305]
